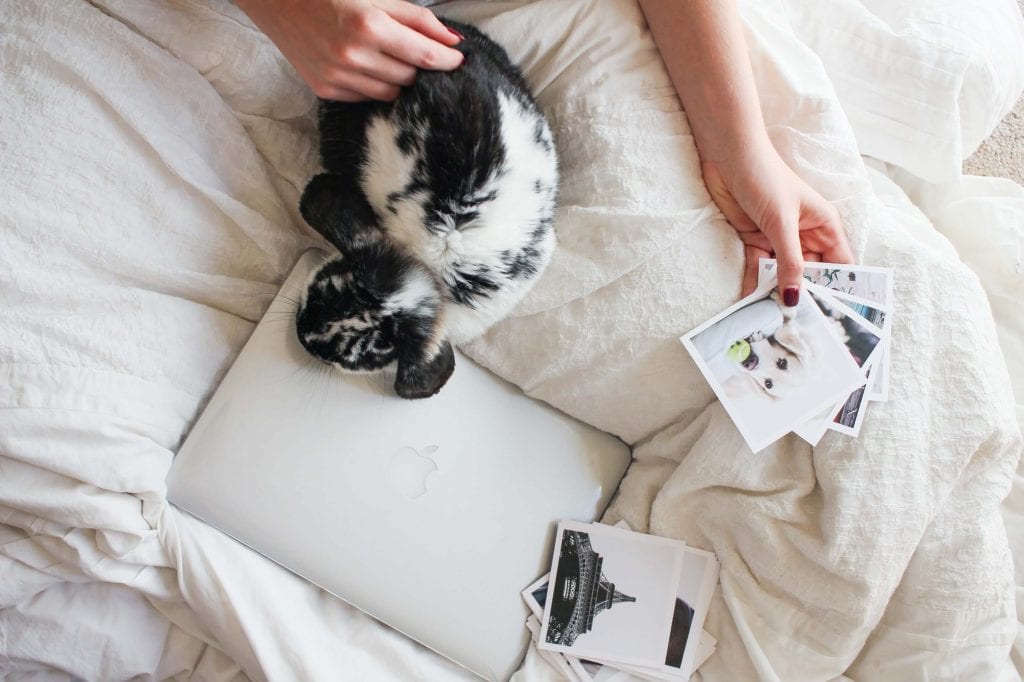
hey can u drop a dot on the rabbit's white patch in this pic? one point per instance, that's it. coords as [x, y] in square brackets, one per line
[441, 206]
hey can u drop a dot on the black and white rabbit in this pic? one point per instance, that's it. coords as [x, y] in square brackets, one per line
[440, 205]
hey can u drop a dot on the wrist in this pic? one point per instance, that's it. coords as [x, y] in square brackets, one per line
[736, 148]
[755, 156]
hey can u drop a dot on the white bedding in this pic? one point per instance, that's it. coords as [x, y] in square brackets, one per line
[152, 157]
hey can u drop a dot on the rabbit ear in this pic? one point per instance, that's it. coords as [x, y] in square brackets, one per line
[422, 375]
[338, 210]
[412, 303]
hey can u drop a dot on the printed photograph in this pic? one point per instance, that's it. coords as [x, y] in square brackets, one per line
[698, 576]
[878, 386]
[867, 285]
[689, 646]
[773, 367]
[814, 429]
[697, 579]
[611, 594]
[866, 345]
[535, 596]
[862, 339]
[864, 282]
[850, 414]
[558, 661]
[875, 316]
[844, 418]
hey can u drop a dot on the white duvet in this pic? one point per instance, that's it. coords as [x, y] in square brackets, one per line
[151, 158]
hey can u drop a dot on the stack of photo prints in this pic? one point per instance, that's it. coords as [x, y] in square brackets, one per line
[619, 605]
[806, 369]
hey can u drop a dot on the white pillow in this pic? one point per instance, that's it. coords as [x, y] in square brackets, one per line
[923, 82]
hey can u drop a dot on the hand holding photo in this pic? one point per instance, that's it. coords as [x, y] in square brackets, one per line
[868, 290]
[859, 297]
[773, 367]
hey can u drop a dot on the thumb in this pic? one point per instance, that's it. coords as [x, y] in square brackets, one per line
[790, 262]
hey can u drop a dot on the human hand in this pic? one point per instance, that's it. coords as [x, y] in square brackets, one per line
[355, 50]
[775, 214]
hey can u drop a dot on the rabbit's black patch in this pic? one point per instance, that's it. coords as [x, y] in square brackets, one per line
[441, 206]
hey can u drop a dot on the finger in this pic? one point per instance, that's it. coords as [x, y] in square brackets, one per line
[412, 47]
[725, 202]
[364, 87]
[326, 88]
[385, 68]
[422, 20]
[789, 256]
[840, 252]
[751, 259]
[833, 244]
[340, 95]
[757, 239]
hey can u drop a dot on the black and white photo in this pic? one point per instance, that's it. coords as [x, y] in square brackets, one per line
[610, 594]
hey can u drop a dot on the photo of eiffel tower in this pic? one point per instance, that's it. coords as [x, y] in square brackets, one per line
[581, 590]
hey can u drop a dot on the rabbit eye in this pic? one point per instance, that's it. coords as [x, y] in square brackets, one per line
[768, 384]
[781, 363]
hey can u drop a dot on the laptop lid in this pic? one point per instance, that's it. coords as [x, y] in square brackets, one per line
[430, 515]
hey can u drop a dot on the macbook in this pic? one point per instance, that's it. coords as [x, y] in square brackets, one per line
[430, 515]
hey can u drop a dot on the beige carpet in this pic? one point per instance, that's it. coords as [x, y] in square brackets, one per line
[1002, 154]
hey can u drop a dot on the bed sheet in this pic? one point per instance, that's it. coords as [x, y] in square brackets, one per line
[125, 300]
[982, 217]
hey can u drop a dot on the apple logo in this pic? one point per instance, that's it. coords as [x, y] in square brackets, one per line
[410, 469]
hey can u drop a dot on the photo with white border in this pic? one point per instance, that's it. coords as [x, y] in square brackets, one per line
[878, 385]
[815, 428]
[867, 283]
[870, 286]
[536, 594]
[553, 658]
[773, 368]
[865, 341]
[611, 594]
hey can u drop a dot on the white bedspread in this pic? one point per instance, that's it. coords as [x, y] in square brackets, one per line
[151, 158]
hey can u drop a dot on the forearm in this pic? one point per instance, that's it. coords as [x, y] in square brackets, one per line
[702, 45]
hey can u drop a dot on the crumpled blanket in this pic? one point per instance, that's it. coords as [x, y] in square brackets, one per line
[153, 154]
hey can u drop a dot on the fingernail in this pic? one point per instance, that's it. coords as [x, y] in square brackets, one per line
[791, 296]
[456, 33]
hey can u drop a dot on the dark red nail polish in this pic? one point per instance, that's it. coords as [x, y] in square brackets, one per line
[456, 33]
[791, 296]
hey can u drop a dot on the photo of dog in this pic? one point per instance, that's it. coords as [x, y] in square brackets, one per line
[867, 290]
[760, 349]
[773, 367]
[774, 358]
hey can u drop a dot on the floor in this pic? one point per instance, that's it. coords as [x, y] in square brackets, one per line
[1002, 154]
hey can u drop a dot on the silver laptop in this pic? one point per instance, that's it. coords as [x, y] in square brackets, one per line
[429, 515]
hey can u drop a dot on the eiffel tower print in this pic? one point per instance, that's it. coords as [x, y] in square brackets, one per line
[581, 592]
